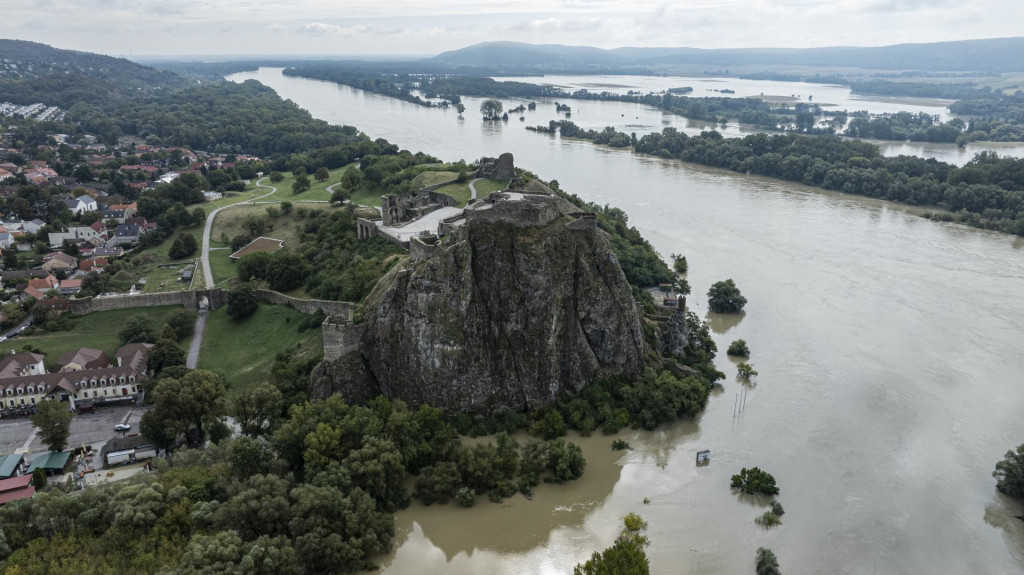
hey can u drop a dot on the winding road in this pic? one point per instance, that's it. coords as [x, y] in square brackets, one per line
[472, 188]
[205, 258]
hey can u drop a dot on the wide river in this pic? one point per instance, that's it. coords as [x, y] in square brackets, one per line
[889, 351]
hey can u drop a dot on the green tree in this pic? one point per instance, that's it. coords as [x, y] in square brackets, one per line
[261, 509]
[321, 174]
[165, 353]
[183, 246]
[276, 177]
[39, 478]
[565, 460]
[625, 557]
[183, 322]
[258, 408]
[765, 562]
[351, 179]
[242, 302]
[253, 266]
[138, 329]
[725, 297]
[377, 469]
[300, 184]
[53, 420]
[746, 371]
[285, 271]
[286, 208]
[460, 108]
[438, 483]
[738, 348]
[5, 549]
[336, 532]
[491, 109]
[1009, 473]
[196, 401]
[754, 480]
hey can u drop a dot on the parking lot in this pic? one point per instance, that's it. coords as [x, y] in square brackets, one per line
[87, 428]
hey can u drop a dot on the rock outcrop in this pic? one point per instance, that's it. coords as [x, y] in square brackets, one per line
[500, 168]
[512, 307]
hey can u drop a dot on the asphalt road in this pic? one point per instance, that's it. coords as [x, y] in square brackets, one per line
[207, 272]
[86, 428]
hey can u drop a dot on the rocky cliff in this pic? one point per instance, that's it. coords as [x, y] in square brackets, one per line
[519, 301]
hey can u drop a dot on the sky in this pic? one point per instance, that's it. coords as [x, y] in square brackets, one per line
[137, 28]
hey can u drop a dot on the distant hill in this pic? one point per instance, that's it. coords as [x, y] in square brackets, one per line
[31, 72]
[991, 55]
[21, 60]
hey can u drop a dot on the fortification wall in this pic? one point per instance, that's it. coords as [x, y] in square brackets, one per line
[341, 337]
[338, 309]
[88, 305]
[535, 211]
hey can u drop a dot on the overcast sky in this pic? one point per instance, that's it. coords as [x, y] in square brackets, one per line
[427, 27]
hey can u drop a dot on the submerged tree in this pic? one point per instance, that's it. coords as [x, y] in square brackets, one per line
[725, 297]
[1009, 473]
[491, 109]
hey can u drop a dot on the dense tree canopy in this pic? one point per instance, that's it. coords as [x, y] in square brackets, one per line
[53, 420]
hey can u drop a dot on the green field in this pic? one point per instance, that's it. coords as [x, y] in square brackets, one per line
[316, 192]
[251, 191]
[96, 330]
[484, 188]
[243, 351]
[432, 179]
[146, 264]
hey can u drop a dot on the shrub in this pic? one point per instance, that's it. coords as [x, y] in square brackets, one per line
[465, 497]
[725, 297]
[242, 302]
[679, 264]
[767, 520]
[746, 371]
[634, 522]
[738, 348]
[765, 562]
[620, 445]
[1009, 473]
[777, 508]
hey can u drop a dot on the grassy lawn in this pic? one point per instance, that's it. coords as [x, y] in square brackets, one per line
[251, 191]
[146, 264]
[317, 191]
[432, 178]
[243, 351]
[222, 267]
[484, 188]
[96, 330]
[364, 197]
[231, 223]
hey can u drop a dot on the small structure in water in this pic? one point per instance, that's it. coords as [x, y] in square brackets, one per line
[704, 457]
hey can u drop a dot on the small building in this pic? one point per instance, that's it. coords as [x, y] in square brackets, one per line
[108, 252]
[60, 261]
[127, 449]
[52, 463]
[260, 244]
[186, 276]
[12, 465]
[16, 488]
[82, 359]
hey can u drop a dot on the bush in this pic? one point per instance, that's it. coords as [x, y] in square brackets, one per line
[767, 520]
[738, 348]
[1009, 473]
[620, 445]
[634, 522]
[746, 371]
[465, 497]
[184, 246]
[754, 480]
[679, 264]
[725, 297]
[777, 508]
[766, 563]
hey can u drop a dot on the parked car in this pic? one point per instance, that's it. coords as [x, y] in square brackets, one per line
[122, 427]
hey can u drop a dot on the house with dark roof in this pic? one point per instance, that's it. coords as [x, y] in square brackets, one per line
[260, 244]
[108, 252]
[24, 382]
[52, 463]
[12, 465]
[125, 234]
[81, 359]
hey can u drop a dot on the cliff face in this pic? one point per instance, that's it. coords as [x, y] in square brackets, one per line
[517, 303]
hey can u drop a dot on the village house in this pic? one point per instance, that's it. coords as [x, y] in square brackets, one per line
[59, 261]
[125, 234]
[81, 204]
[37, 287]
[77, 233]
[24, 381]
[92, 265]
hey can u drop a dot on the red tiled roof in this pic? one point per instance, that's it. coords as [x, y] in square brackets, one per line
[16, 488]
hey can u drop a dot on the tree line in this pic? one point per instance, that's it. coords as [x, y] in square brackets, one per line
[987, 192]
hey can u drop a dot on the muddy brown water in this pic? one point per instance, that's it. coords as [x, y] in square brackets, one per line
[890, 360]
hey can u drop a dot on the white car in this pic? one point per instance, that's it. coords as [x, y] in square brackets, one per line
[122, 427]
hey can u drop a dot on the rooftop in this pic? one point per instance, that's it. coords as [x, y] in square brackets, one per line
[260, 244]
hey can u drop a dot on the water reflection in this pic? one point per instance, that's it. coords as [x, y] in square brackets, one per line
[721, 323]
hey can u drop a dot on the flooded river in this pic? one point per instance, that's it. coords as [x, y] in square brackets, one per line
[890, 367]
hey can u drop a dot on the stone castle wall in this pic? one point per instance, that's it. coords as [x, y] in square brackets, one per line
[530, 211]
[215, 298]
[341, 309]
[341, 337]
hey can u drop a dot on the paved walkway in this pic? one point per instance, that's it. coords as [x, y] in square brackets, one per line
[472, 188]
[207, 272]
[197, 339]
